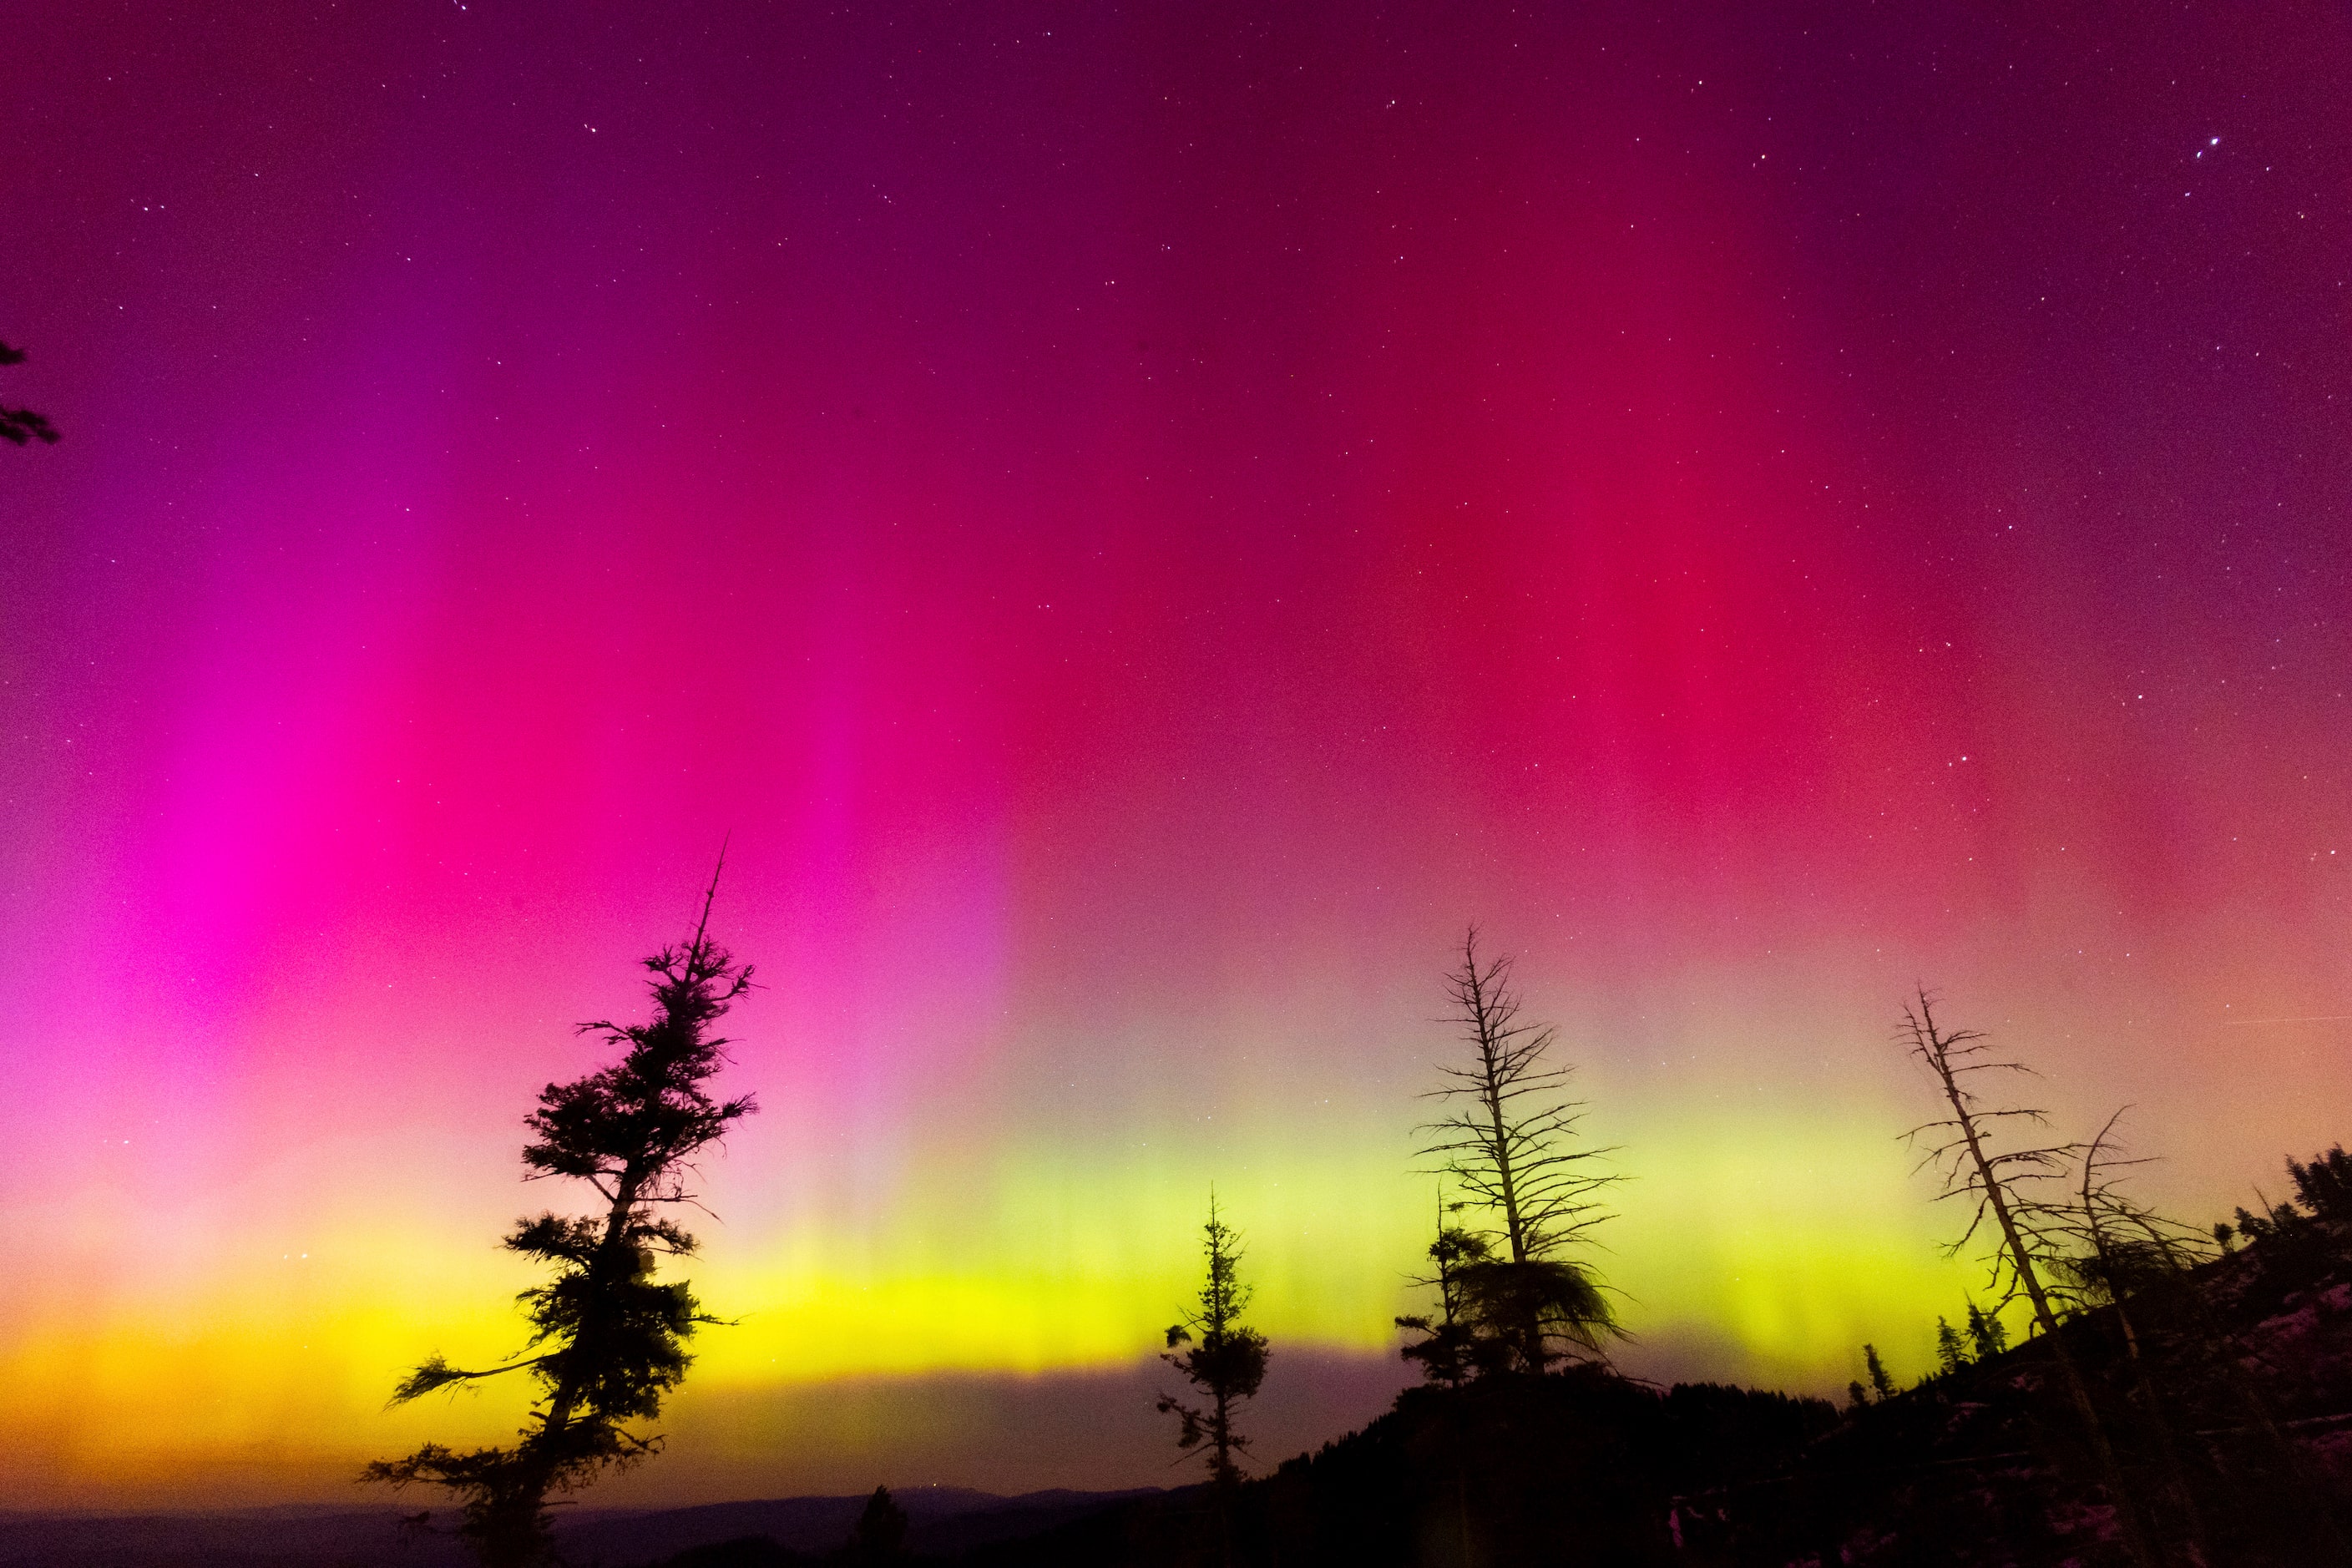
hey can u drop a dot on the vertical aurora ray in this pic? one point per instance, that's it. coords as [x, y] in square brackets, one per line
[1139, 529]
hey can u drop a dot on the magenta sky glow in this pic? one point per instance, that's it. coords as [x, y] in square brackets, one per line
[1140, 524]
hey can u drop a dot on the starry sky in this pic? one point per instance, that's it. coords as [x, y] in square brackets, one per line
[1138, 524]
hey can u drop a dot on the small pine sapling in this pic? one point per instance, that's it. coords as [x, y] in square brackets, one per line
[1882, 1384]
[1451, 1349]
[1226, 1361]
[1988, 1335]
[2325, 1186]
[880, 1532]
[1950, 1353]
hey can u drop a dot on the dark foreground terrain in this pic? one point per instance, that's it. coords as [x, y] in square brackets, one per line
[944, 1522]
[2225, 1391]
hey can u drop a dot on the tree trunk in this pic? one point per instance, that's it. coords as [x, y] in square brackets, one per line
[2111, 1472]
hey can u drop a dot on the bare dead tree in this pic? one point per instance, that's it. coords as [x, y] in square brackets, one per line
[2128, 1250]
[2029, 1233]
[613, 1335]
[1509, 1140]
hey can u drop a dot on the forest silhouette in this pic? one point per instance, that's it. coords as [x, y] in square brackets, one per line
[2179, 1396]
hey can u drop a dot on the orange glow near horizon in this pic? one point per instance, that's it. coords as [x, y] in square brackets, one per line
[1137, 530]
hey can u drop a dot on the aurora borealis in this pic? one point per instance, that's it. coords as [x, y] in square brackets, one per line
[1136, 525]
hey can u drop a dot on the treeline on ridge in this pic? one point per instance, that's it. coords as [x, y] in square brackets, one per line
[2176, 1395]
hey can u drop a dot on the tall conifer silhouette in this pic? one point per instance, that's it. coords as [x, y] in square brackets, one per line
[1226, 1361]
[608, 1339]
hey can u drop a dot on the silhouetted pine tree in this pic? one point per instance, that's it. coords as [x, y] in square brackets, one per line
[1451, 1349]
[2276, 1220]
[1988, 1335]
[1882, 1386]
[1508, 1141]
[880, 1533]
[20, 425]
[1950, 1355]
[2325, 1185]
[613, 1336]
[1227, 1359]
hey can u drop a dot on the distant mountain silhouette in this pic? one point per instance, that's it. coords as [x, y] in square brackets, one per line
[946, 1521]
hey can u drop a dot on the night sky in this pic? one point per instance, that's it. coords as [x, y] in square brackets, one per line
[1142, 524]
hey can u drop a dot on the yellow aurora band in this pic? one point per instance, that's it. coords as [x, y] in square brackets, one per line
[1763, 1245]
